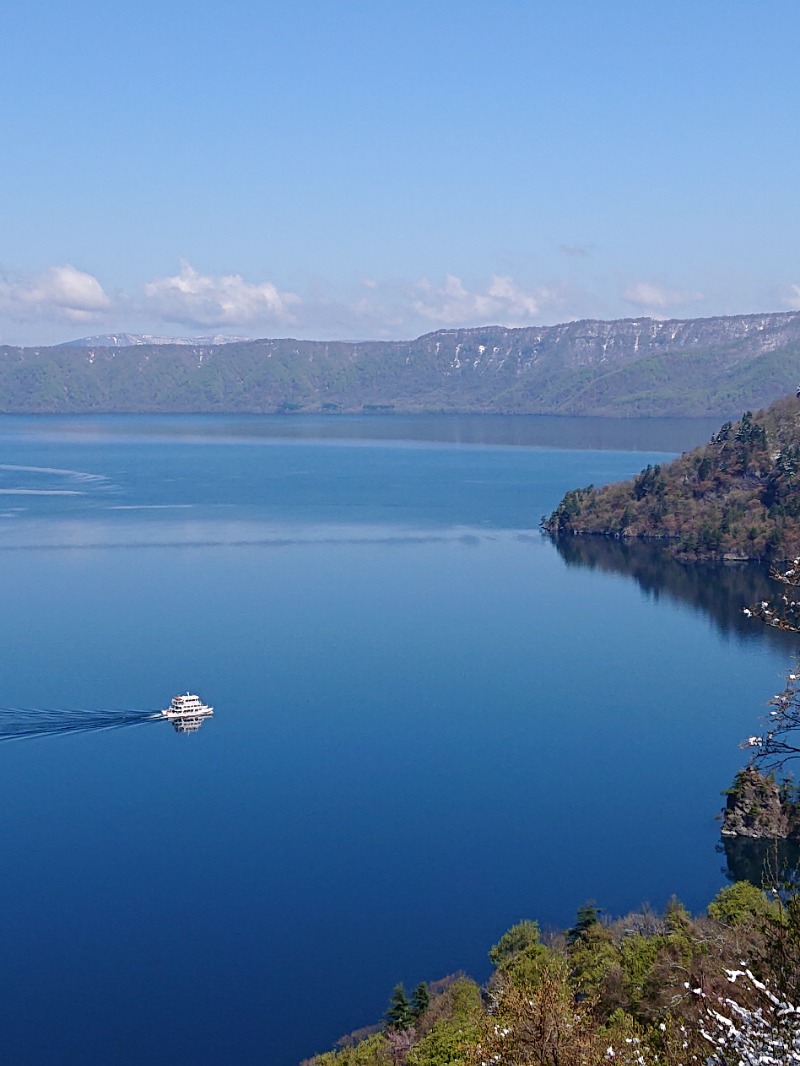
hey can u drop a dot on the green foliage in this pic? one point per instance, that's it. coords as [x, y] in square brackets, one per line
[445, 1045]
[563, 519]
[593, 956]
[651, 482]
[493, 370]
[399, 1014]
[588, 916]
[519, 953]
[420, 1001]
[723, 435]
[676, 917]
[372, 1051]
[624, 985]
[454, 1033]
[465, 1001]
[750, 432]
[520, 938]
[740, 903]
[638, 955]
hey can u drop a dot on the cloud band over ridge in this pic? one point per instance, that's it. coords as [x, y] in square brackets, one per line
[192, 301]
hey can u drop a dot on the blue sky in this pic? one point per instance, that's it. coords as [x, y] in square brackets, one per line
[383, 169]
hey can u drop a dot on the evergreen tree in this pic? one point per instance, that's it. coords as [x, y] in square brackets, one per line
[420, 1001]
[399, 1015]
[587, 916]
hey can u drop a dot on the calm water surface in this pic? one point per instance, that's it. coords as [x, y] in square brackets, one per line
[430, 723]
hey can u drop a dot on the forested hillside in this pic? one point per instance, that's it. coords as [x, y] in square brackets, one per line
[736, 497]
[645, 990]
[636, 367]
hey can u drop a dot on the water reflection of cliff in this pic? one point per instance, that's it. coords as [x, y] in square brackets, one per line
[770, 862]
[719, 590]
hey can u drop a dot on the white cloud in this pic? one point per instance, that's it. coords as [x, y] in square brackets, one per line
[793, 299]
[189, 303]
[60, 292]
[651, 297]
[202, 300]
[501, 302]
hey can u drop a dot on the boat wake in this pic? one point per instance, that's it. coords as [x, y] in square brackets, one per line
[24, 723]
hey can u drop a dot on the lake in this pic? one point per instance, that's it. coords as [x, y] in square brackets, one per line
[429, 722]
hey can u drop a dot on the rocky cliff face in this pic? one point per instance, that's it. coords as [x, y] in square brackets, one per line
[758, 807]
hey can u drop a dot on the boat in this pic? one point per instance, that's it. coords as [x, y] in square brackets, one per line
[185, 709]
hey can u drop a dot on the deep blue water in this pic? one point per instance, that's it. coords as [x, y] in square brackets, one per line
[429, 722]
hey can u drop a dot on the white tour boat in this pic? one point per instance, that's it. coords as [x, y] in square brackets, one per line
[187, 708]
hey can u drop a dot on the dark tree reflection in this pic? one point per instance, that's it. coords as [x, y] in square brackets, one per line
[719, 590]
[761, 862]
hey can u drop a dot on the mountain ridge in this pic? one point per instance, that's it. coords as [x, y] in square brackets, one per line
[129, 340]
[625, 367]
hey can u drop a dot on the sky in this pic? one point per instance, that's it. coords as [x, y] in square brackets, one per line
[353, 170]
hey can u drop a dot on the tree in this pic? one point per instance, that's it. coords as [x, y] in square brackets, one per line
[740, 903]
[780, 740]
[587, 916]
[676, 916]
[543, 1025]
[787, 614]
[520, 938]
[592, 957]
[398, 1015]
[651, 482]
[420, 1000]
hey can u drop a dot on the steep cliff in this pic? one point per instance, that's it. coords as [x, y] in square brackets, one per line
[759, 807]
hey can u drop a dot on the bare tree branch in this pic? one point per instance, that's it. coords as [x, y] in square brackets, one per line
[780, 738]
